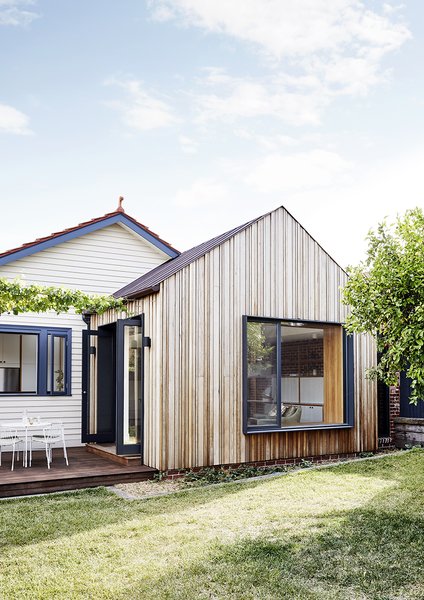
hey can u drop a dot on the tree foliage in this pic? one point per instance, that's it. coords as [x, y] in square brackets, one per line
[16, 298]
[386, 297]
[257, 347]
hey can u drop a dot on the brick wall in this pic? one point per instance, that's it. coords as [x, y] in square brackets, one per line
[394, 407]
[303, 357]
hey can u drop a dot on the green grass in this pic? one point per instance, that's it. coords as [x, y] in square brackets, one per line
[354, 531]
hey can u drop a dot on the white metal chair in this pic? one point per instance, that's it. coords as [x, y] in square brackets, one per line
[10, 437]
[51, 435]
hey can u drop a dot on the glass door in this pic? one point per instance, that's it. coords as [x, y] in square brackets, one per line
[98, 385]
[130, 386]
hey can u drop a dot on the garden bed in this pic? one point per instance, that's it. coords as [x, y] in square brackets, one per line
[162, 485]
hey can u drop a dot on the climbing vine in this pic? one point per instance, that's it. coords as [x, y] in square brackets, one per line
[17, 297]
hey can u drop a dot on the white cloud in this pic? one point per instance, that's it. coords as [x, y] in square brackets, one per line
[13, 12]
[202, 193]
[142, 110]
[13, 121]
[390, 8]
[303, 170]
[317, 51]
[270, 142]
[289, 28]
[188, 145]
[242, 98]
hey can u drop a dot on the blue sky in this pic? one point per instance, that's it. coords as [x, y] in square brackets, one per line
[207, 113]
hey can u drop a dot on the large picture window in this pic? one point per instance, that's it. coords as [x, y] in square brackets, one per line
[297, 375]
[34, 361]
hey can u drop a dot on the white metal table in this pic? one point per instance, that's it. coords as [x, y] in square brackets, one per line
[27, 427]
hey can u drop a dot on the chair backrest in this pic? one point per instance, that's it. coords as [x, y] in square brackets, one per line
[54, 431]
[8, 435]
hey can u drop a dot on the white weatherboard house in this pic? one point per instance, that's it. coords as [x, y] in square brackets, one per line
[41, 354]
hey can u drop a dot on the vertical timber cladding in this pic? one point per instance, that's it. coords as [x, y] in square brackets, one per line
[193, 371]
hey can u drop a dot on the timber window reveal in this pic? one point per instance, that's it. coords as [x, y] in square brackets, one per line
[297, 375]
[35, 361]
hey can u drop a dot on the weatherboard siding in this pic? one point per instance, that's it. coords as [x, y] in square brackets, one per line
[99, 262]
[63, 408]
[193, 370]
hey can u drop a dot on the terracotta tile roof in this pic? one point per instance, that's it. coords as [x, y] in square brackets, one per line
[58, 234]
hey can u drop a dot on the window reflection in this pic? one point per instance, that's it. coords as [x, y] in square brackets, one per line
[262, 374]
[132, 384]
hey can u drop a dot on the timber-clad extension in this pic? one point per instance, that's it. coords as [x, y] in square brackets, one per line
[195, 372]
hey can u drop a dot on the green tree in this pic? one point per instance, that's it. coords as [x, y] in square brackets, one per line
[16, 297]
[386, 297]
[257, 347]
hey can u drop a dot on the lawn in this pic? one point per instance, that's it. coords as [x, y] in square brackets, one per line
[350, 531]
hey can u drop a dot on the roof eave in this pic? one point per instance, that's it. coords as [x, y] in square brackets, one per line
[142, 293]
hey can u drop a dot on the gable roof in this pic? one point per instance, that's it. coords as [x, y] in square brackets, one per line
[149, 282]
[117, 216]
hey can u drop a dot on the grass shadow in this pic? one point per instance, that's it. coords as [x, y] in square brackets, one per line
[371, 550]
[370, 554]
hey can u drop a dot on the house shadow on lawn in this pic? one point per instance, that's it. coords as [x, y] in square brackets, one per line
[374, 551]
[369, 554]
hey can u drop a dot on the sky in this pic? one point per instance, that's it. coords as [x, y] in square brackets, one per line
[205, 114]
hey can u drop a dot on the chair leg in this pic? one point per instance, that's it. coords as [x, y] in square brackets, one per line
[47, 456]
[28, 440]
[65, 453]
[13, 456]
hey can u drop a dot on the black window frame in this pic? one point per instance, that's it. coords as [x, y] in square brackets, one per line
[42, 358]
[348, 378]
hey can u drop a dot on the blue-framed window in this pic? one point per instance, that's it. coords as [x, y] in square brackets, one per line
[298, 375]
[35, 361]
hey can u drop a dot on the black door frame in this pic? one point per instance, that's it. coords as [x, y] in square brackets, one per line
[87, 350]
[122, 448]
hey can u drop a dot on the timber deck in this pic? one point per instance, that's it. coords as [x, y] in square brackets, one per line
[85, 470]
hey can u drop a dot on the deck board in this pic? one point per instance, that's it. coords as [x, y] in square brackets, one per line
[85, 470]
